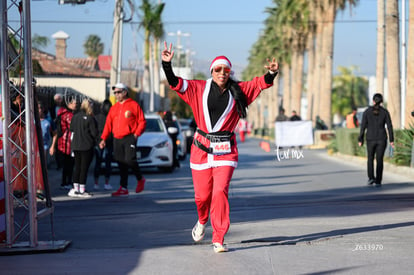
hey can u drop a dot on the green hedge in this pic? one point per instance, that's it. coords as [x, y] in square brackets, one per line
[346, 142]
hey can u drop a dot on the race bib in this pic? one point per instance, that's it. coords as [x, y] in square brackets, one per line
[220, 148]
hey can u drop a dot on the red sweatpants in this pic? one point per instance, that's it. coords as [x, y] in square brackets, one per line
[211, 188]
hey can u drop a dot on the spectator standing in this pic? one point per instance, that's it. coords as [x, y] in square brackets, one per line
[126, 122]
[47, 131]
[61, 142]
[217, 104]
[320, 124]
[374, 120]
[295, 116]
[173, 133]
[105, 154]
[281, 116]
[84, 135]
[58, 103]
[352, 120]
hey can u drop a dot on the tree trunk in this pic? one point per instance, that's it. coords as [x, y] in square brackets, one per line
[310, 75]
[156, 84]
[380, 47]
[326, 73]
[273, 102]
[393, 62]
[297, 82]
[409, 99]
[146, 75]
[286, 88]
[319, 64]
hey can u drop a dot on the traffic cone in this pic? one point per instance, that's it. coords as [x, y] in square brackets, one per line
[265, 146]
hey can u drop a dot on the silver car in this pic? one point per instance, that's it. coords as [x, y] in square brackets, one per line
[154, 146]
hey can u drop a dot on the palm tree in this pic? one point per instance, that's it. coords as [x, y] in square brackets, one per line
[380, 46]
[157, 33]
[409, 98]
[151, 21]
[40, 41]
[316, 80]
[310, 50]
[329, 10]
[348, 91]
[294, 16]
[393, 62]
[93, 46]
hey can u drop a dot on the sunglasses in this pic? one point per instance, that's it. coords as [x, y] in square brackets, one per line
[219, 69]
[118, 92]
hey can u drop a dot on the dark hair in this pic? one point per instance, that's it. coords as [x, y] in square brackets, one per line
[239, 97]
[106, 105]
[378, 99]
[168, 116]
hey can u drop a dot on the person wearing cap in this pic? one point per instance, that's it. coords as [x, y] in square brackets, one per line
[126, 122]
[217, 104]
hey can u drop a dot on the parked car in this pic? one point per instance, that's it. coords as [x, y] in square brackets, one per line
[187, 127]
[154, 146]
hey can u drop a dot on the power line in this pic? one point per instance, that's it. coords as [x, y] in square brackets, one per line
[215, 22]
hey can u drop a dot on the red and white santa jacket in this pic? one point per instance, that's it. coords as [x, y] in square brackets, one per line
[195, 93]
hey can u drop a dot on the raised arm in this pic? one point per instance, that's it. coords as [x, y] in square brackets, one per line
[167, 54]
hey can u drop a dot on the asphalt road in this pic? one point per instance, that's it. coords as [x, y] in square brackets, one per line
[310, 214]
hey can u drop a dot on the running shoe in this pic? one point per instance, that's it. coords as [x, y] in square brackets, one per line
[140, 185]
[198, 231]
[84, 195]
[121, 192]
[108, 186]
[73, 193]
[219, 248]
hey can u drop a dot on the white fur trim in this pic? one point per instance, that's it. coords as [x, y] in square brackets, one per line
[220, 62]
[184, 87]
[204, 166]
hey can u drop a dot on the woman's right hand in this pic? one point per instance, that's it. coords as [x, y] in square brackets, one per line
[167, 54]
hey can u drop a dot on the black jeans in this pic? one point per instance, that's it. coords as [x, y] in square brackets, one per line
[376, 149]
[67, 163]
[125, 154]
[83, 160]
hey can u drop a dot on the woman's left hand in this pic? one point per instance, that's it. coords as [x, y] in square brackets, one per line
[272, 65]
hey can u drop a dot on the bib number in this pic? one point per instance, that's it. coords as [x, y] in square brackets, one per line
[221, 148]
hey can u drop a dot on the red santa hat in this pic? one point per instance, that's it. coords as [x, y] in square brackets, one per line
[220, 60]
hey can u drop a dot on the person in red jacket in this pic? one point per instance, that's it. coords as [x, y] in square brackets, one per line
[217, 104]
[126, 122]
[63, 142]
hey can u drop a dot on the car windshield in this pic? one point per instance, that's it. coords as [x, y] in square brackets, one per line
[185, 122]
[154, 125]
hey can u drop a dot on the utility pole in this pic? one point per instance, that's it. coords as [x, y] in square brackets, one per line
[178, 45]
[117, 43]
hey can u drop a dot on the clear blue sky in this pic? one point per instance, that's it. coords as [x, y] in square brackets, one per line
[217, 27]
